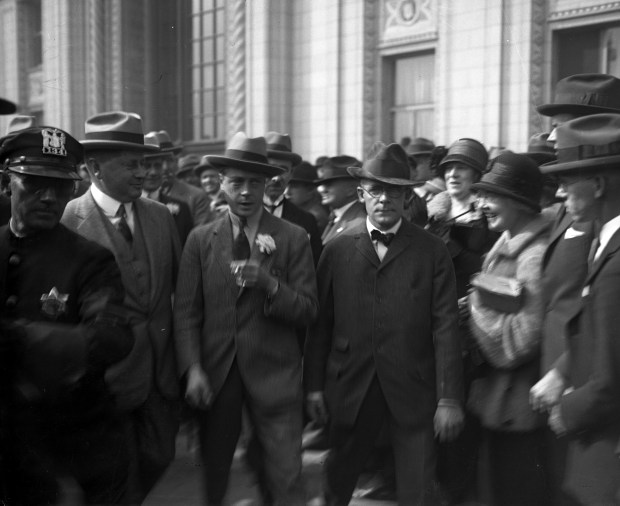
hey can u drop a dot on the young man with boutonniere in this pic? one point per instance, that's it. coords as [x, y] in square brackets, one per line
[385, 348]
[246, 282]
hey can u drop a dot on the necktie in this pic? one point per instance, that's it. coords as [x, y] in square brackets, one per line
[122, 226]
[377, 235]
[330, 224]
[241, 245]
[592, 253]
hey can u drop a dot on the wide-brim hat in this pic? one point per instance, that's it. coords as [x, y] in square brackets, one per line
[540, 149]
[515, 176]
[385, 163]
[7, 107]
[582, 94]
[161, 141]
[304, 173]
[335, 168]
[41, 151]
[279, 146]
[203, 165]
[420, 146]
[469, 152]
[115, 130]
[187, 164]
[246, 153]
[586, 143]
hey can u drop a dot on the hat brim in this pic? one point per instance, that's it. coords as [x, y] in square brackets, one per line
[577, 109]
[579, 165]
[321, 181]
[284, 155]
[7, 107]
[118, 145]
[500, 190]
[223, 162]
[45, 171]
[420, 153]
[309, 182]
[539, 157]
[359, 173]
[200, 168]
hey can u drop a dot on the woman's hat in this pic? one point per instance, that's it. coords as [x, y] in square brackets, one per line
[387, 164]
[586, 143]
[246, 153]
[514, 176]
[469, 152]
[582, 94]
[115, 130]
[279, 146]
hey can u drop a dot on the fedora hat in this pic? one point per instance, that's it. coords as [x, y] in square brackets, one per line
[420, 147]
[162, 142]
[21, 122]
[515, 176]
[335, 167]
[246, 153]
[115, 130]
[586, 143]
[304, 173]
[41, 151]
[540, 149]
[385, 163]
[7, 107]
[582, 94]
[469, 152]
[279, 146]
[187, 163]
[203, 165]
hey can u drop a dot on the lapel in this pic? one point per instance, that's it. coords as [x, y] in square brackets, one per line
[90, 222]
[610, 249]
[365, 247]
[222, 250]
[152, 235]
[399, 244]
[4, 259]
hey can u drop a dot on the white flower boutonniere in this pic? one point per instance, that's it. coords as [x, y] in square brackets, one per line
[173, 207]
[265, 243]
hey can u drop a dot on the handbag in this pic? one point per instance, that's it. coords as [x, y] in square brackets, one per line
[499, 292]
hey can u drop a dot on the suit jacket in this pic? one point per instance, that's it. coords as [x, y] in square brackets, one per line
[181, 213]
[562, 292]
[152, 360]
[217, 322]
[292, 213]
[396, 319]
[352, 217]
[197, 200]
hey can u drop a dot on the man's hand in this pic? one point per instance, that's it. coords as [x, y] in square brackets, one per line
[449, 420]
[198, 393]
[315, 405]
[253, 275]
[556, 422]
[547, 392]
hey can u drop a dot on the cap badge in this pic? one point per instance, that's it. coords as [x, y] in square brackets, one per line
[54, 142]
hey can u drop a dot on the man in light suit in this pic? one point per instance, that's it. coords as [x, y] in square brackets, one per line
[142, 236]
[338, 192]
[386, 345]
[246, 282]
[587, 405]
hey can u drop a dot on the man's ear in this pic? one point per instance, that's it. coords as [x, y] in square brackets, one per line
[600, 185]
[93, 167]
[360, 194]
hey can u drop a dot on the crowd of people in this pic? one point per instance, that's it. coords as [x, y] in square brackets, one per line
[442, 318]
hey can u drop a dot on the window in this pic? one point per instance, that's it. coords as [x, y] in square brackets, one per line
[208, 98]
[413, 108]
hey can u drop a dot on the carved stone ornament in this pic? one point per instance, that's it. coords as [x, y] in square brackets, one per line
[404, 19]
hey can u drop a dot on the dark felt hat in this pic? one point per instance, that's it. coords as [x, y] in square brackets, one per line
[246, 153]
[7, 107]
[203, 165]
[582, 94]
[279, 146]
[187, 164]
[41, 151]
[586, 143]
[335, 167]
[305, 173]
[540, 149]
[420, 146]
[469, 152]
[115, 130]
[385, 163]
[515, 176]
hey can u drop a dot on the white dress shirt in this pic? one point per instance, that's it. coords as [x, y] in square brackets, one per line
[381, 248]
[110, 206]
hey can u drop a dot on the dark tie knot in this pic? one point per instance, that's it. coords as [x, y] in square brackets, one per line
[377, 235]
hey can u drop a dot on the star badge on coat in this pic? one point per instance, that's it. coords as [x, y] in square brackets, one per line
[54, 303]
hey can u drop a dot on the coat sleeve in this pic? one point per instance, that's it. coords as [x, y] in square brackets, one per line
[597, 401]
[296, 299]
[508, 340]
[188, 304]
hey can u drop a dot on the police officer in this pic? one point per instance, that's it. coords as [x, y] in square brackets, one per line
[62, 324]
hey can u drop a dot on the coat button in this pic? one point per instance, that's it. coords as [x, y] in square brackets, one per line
[14, 259]
[11, 301]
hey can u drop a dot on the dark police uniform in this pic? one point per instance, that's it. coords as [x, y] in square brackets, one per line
[62, 324]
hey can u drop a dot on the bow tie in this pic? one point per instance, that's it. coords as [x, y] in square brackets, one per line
[377, 235]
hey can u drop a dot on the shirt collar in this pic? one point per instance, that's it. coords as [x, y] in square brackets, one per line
[273, 203]
[154, 195]
[392, 230]
[607, 232]
[341, 210]
[108, 204]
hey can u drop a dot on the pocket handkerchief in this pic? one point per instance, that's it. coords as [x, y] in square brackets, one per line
[571, 233]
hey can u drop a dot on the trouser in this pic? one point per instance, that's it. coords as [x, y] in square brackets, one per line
[277, 431]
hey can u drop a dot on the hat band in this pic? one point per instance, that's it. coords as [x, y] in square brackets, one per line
[587, 151]
[246, 156]
[278, 147]
[116, 136]
[595, 99]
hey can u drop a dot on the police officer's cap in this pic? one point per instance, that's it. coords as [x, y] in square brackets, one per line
[41, 151]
